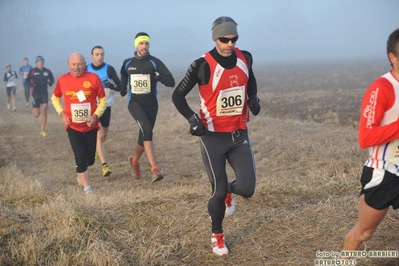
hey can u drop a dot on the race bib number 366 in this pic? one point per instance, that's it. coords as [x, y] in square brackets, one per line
[140, 84]
[230, 101]
[80, 112]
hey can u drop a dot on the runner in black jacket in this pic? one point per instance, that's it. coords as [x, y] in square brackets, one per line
[140, 75]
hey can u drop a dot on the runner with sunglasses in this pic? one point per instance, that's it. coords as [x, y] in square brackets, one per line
[227, 88]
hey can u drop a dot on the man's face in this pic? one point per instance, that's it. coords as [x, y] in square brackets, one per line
[142, 48]
[225, 45]
[76, 65]
[8, 68]
[40, 64]
[26, 62]
[98, 56]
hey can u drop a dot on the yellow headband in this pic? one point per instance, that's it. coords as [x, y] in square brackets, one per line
[140, 39]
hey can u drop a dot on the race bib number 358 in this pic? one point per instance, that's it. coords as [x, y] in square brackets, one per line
[230, 101]
[80, 112]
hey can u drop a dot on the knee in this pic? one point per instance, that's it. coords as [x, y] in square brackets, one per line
[247, 194]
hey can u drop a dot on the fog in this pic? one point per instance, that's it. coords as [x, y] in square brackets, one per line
[274, 31]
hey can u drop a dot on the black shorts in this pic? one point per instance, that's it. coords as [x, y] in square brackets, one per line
[11, 90]
[84, 148]
[106, 117]
[382, 188]
[39, 98]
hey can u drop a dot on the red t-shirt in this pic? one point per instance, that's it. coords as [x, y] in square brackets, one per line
[80, 98]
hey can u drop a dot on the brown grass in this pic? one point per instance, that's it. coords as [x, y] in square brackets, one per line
[306, 196]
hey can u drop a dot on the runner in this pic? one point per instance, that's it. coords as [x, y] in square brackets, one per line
[110, 81]
[378, 131]
[227, 88]
[11, 86]
[39, 78]
[24, 71]
[142, 73]
[80, 113]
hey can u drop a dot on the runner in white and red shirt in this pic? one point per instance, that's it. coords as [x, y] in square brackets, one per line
[227, 88]
[379, 131]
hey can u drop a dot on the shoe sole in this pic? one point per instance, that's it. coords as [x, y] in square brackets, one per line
[158, 177]
[107, 174]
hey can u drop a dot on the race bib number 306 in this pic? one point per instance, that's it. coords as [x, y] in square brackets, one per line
[80, 112]
[230, 101]
[140, 84]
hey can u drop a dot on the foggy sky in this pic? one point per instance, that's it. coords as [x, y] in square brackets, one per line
[272, 30]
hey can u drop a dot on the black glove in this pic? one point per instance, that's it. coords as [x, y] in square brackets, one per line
[253, 104]
[109, 85]
[150, 71]
[123, 92]
[197, 128]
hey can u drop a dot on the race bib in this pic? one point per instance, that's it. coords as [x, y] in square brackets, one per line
[140, 84]
[80, 112]
[395, 152]
[26, 75]
[230, 101]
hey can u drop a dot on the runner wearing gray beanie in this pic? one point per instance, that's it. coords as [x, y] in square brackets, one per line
[223, 26]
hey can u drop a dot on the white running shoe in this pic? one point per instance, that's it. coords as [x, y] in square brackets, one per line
[230, 205]
[218, 245]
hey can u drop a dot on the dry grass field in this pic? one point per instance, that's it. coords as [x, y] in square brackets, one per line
[308, 166]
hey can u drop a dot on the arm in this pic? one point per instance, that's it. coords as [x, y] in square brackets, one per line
[165, 77]
[5, 77]
[50, 79]
[252, 90]
[185, 86]
[16, 75]
[114, 77]
[378, 98]
[124, 79]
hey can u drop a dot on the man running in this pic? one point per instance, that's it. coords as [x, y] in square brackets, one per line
[81, 90]
[110, 80]
[11, 86]
[141, 74]
[24, 71]
[378, 131]
[39, 78]
[227, 89]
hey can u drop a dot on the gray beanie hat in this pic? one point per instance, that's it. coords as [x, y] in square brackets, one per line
[223, 26]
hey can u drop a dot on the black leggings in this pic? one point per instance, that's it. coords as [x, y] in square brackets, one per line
[145, 118]
[84, 148]
[235, 148]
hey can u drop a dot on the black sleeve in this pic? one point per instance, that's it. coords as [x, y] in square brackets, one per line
[252, 85]
[5, 77]
[114, 77]
[16, 75]
[185, 86]
[124, 76]
[165, 77]
[50, 78]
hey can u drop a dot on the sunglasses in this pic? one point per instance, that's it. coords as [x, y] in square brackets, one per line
[227, 40]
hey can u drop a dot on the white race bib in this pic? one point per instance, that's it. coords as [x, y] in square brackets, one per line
[25, 74]
[230, 101]
[140, 84]
[80, 112]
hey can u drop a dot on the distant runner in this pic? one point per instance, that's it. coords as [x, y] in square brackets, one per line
[11, 86]
[24, 71]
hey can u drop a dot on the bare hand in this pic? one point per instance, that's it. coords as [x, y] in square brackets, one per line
[92, 121]
[65, 120]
